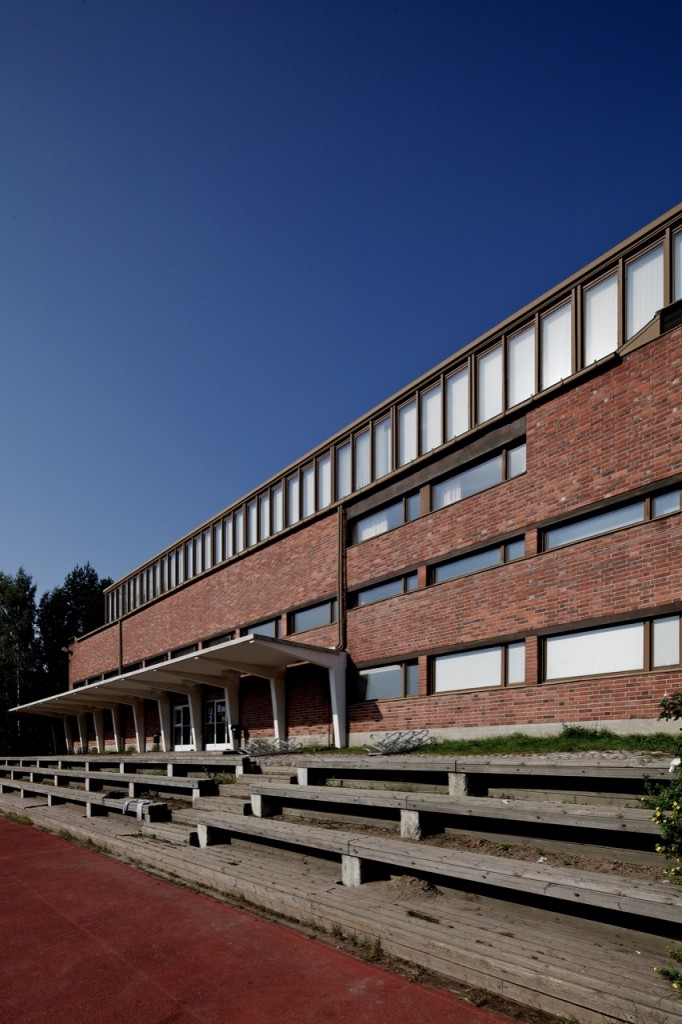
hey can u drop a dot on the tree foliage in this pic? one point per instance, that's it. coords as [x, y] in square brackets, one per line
[75, 608]
[33, 638]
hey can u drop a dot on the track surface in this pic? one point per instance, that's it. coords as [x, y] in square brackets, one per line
[88, 940]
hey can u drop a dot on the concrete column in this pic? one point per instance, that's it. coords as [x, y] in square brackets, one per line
[115, 710]
[138, 715]
[98, 717]
[83, 731]
[337, 687]
[165, 719]
[68, 734]
[352, 873]
[194, 697]
[232, 705]
[458, 784]
[278, 694]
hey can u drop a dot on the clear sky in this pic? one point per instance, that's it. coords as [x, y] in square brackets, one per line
[230, 227]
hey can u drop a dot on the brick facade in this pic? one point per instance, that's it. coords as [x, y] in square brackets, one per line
[613, 432]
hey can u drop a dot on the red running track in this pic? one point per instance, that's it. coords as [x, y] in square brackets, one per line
[88, 940]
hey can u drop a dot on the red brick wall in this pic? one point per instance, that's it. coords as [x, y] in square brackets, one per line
[619, 429]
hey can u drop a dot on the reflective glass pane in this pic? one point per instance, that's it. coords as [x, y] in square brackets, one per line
[556, 345]
[466, 564]
[515, 549]
[595, 652]
[308, 479]
[293, 500]
[382, 590]
[379, 522]
[324, 481]
[457, 398]
[311, 618]
[521, 366]
[666, 641]
[431, 419]
[362, 459]
[380, 683]
[592, 526]
[468, 670]
[489, 388]
[343, 475]
[644, 289]
[383, 459]
[466, 483]
[407, 433]
[516, 662]
[601, 319]
[516, 461]
[278, 508]
[665, 503]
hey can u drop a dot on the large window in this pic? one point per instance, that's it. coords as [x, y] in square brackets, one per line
[431, 419]
[629, 647]
[486, 666]
[457, 402]
[644, 289]
[521, 366]
[556, 345]
[388, 518]
[601, 319]
[490, 397]
[477, 478]
[390, 588]
[466, 564]
[271, 628]
[400, 680]
[612, 519]
[316, 615]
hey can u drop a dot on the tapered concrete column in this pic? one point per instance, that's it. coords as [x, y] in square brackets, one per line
[115, 710]
[165, 721]
[83, 731]
[138, 715]
[278, 694]
[194, 696]
[68, 734]
[337, 688]
[98, 717]
[231, 681]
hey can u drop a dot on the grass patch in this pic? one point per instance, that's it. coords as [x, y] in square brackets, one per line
[571, 739]
[18, 819]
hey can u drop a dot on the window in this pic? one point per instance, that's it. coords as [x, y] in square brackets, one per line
[388, 681]
[465, 564]
[293, 500]
[271, 628]
[407, 433]
[595, 652]
[217, 542]
[594, 525]
[264, 516]
[383, 457]
[387, 518]
[252, 523]
[391, 588]
[229, 544]
[240, 531]
[521, 366]
[278, 508]
[343, 473]
[316, 615]
[664, 504]
[431, 406]
[487, 666]
[556, 345]
[308, 478]
[490, 384]
[666, 641]
[601, 319]
[644, 289]
[477, 478]
[622, 648]
[324, 481]
[457, 402]
[362, 460]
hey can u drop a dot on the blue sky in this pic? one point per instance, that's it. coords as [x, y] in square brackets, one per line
[230, 227]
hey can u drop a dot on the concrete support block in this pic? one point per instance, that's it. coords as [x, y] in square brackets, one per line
[458, 784]
[212, 836]
[352, 870]
[95, 810]
[410, 824]
[302, 776]
[265, 806]
[92, 785]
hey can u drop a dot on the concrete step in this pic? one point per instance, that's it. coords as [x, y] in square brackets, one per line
[167, 832]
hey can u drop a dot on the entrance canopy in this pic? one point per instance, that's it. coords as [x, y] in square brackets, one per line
[219, 666]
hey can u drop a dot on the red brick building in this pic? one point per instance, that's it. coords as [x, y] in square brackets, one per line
[498, 546]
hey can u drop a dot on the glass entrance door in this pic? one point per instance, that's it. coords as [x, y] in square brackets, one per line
[215, 725]
[182, 727]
